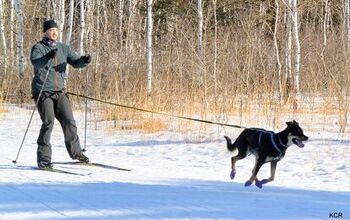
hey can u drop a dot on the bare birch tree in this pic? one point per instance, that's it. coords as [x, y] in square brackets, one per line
[215, 46]
[61, 19]
[70, 22]
[288, 50]
[200, 28]
[82, 27]
[120, 22]
[347, 23]
[130, 36]
[19, 38]
[325, 26]
[149, 46]
[12, 22]
[295, 19]
[278, 61]
[2, 38]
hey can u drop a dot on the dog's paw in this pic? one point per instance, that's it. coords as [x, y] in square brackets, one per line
[260, 184]
[248, 183]
[233, 174]
[264, 181]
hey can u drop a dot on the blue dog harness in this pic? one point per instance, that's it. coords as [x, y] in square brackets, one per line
[273, 142]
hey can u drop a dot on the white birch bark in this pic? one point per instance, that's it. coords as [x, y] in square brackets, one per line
[12, 54]
[279, 66]
[288, 50]
[149, 46]
[296, 45]
[325, 25]
[2, 37]
[98, 40]
[19, 38]
[120, 22]
[105, 18]
[70, 22]
[200, 28]
[347, 24]
[61, 19]
[215, 46]
[82, 27]
[90, 20]
[130, 41]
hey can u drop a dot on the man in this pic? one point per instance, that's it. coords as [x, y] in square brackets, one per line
[49, 59]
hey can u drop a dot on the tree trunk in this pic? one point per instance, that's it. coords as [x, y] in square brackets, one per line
[325, 26]
[82, 27]
[70, 22]
[54, 9]
[131, 32]
[149, 46]
[288, 53]
[61, 19]
[12, 19]
[2, 39]
[297, 47]
[120, 23]
[90, 21]
[19, 38]
[215, 46]
[279, 66]
[347, 24]
[200, 28]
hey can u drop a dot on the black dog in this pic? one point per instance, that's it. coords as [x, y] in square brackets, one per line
[267, 146]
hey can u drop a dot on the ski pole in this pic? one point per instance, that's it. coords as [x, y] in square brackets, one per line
[31, 117]
[86, 107]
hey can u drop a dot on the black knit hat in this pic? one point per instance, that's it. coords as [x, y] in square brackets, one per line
[49, 24]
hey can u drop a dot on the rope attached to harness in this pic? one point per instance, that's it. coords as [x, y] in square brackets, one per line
[154, 112]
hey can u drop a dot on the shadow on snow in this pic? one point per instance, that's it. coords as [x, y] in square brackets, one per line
[174, 200]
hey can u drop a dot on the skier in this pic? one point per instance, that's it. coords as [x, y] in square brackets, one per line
[49, 59]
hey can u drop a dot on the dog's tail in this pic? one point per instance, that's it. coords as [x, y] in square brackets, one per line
[230, 146]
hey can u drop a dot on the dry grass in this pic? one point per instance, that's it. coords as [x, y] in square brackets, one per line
[245, 87]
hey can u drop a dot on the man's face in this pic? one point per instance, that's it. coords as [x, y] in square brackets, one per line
[52, 34]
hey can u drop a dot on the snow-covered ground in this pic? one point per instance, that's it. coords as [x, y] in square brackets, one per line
[176, 175]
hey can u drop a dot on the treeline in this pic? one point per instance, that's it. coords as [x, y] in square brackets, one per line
[203, 51]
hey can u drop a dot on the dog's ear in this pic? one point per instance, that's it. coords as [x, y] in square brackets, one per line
[294, 122]
[289, 123]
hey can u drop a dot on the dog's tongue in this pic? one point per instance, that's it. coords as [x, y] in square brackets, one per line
[299, 143]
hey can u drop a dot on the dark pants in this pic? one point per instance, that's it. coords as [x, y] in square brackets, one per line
[51, 106]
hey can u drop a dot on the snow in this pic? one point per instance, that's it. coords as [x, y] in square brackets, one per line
[176, 175]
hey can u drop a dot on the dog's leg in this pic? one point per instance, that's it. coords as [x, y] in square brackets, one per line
[272, 177]
[273, 171]
[234, 159]
[233, 166]
[256, 169]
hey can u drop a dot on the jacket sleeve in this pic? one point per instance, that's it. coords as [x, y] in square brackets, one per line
[38, 58]
[74, 60]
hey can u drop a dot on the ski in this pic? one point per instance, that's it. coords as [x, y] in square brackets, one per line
[93, 165]
[55, 170]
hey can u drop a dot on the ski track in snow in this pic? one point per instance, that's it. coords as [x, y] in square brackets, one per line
[176, 175]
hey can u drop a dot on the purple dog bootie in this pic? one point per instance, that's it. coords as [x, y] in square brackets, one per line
[233, 174]
[260, 184]
[248, 183]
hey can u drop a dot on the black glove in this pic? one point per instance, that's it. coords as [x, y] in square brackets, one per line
[86, 58]
[52, 53]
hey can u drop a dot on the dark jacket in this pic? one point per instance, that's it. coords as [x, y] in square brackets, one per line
[57, 67]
